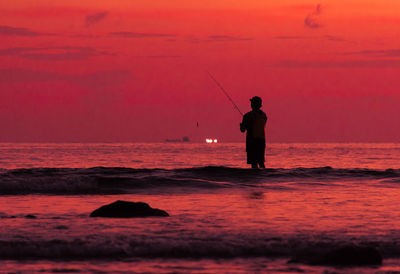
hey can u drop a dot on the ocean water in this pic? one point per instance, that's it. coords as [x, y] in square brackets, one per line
[224, 217]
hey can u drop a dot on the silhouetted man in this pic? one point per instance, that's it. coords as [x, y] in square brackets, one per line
[254, 122]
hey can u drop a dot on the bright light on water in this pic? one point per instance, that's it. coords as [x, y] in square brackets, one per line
[210, 141]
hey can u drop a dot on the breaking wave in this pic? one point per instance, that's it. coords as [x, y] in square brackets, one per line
[119, 180]
[206, 246]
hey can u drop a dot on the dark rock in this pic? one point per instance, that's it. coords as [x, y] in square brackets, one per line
[349, 255]
[30, 216]
[123, 209]
[352, 255]
[61, 227]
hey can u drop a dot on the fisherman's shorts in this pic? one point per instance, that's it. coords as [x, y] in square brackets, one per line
[255, 149]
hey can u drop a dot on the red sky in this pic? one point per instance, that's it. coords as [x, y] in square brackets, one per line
[126, 70]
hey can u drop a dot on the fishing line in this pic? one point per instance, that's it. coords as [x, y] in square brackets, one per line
[226, 93]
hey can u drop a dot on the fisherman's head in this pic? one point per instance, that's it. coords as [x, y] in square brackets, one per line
[256, 102]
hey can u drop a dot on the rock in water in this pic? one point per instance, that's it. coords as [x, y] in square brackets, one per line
[352, 255]
[124, 209]
[346, 256]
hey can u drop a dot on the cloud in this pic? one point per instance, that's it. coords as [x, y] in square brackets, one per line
[26, 75]
[95, 18]
[128, 34]
[100, 80]
[97, 81]
[12, 31]
[311, 21]
[377, 53]
[334, 38]
[160, 56]
[392, 63]
[331, 38]
[216, 38]
[226, 38]
[95, 89]
[193, 39]
[292, 37]
[54, 53]
[86, 36]
[299, 7]
[13, 51]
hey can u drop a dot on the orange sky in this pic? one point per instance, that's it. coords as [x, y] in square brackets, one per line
[136, 70]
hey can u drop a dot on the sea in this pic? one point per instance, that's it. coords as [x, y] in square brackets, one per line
[224, 217]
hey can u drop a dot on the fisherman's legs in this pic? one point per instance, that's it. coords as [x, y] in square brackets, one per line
[257, 165]
[255, 153]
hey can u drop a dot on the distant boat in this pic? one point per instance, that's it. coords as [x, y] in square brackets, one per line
[184, 139]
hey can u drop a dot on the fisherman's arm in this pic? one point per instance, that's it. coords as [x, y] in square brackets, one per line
[243, 124]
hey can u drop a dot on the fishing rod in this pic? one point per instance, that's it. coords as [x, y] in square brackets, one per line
[224, 91]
